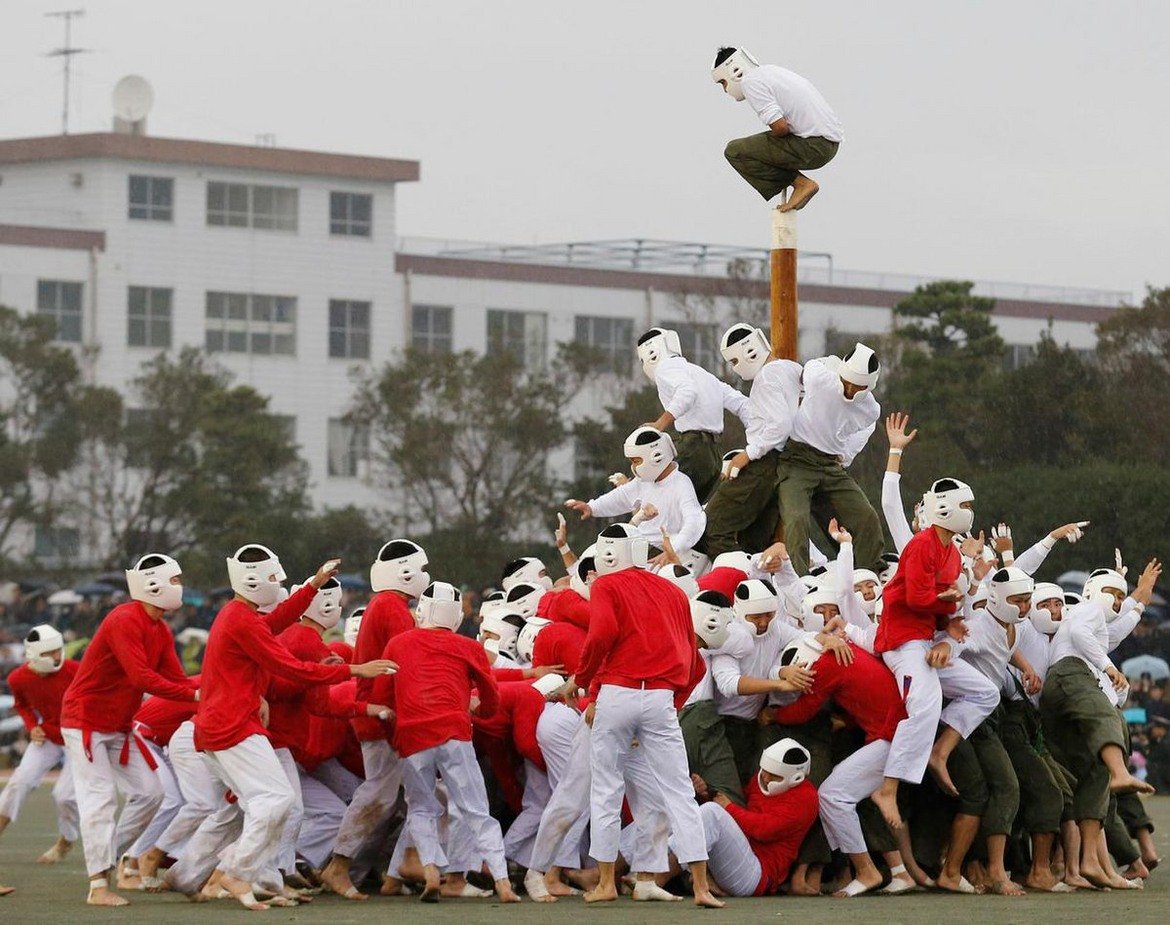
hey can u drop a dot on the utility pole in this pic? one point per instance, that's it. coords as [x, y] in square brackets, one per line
[66, 51]
[785, 342]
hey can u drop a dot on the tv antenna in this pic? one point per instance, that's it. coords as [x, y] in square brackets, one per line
[66, 53]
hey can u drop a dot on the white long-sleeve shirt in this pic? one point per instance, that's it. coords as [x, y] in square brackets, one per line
[679, 511]
[1082, 634]
[860, 628]
[987, 646]
[772, 405]
[757, 662]
[1036, 647]
[775, 93]
[826, 420]
[695, 397]
[738, 645]
[893, 511]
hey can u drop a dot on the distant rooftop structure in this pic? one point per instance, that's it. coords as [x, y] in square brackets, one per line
[650, 255]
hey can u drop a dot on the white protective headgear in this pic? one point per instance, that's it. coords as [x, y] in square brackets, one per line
[859, 367]
[804, 650]
[581, 569]
[654, 447]
[440, 605]
[1041, 617]
[787, 759]
[941, 505]
[549, 683]
[1003, 584]
[506, 624]
[401, 566]
[353, 623]
[736, 559]
[526, 638]
[712, 616]
[756, 595]
[149, 582]
[864, 574]
[260, 581]
[654, 346]
[1094, 590]
[523, 598]
[698, 563]
[810, 618]
[746, 349]
[682, 578]
[492, 602]
[733, 69]
[42, 639]
[526, 568]
[890, 568]
[325, 607]
[620, 547]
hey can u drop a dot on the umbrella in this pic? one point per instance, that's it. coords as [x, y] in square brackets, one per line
[65, 598]
[353, 582]
[1156, 668]
[95, 589]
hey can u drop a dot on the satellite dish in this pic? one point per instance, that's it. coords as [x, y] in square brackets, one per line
[133, 98]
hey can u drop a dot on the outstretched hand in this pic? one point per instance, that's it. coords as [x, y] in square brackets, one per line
[896, 425]
[839, 533]
[581, 507]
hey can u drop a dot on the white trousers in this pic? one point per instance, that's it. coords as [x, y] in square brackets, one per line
[455, 761]
[730, 859]
[38, 760]
[323, 812]
[566, 815]
[286, 857]
[98, 782]
[645, 843]
[852, 781]
[972, 697]
[338, 778]
[521, 834]
[251, 770]
[202, 795]
[171, 804]
[373, 801]
[456, 838]
[623, 714]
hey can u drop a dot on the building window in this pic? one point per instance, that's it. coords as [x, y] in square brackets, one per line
[351, 214]
[241, 205]
[241, 322]
[700, 345]
[57, 543]
[430, 328]
[1019, 355]
[148, 313]
[152, 198]
[349, 329]
[522, 334]
[612, 337]
[348, 449]
[61, 301]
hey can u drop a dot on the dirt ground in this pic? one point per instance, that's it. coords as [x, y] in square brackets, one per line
[56, 894]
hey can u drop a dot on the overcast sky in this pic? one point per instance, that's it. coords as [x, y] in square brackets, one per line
[1011, 140]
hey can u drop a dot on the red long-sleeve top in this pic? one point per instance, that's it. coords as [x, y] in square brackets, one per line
[38, 697]
[431, 692]
[509, 735]
[559, 644]
[775, 827]
[242, 652]
[386, 616]
[158, 718]
[329, 737]
[640, 634]
[911, 608]
[131, 654]
[724, 580]
[865, 691]
[564, 606]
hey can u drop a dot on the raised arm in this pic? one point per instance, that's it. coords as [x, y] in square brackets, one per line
[892, 509]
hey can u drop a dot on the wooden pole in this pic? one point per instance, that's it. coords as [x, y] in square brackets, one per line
[785, 342]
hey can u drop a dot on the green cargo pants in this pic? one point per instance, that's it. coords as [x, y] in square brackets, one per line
[1041, 799]
[1078, 722]
[699, 459]
[1003, 789]
[771, 162]
[736, 506]
[709, 753]
[807, 476]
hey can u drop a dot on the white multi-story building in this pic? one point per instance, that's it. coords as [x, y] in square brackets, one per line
[286, 266]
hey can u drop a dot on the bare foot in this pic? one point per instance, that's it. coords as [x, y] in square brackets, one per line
[1129, 784]
[600, 894]
[431, 890]
[504, 891]
[952, 883]
[559, 888]
[860, 884]
[582, 879]
[1151, 861]
[335, 879]
[803, 189]
[7, 890]
[803, 889]
[1137, 869]
[888, 804]
[706, 900]
[391, 886]
[1077, 882]
[1097, 878]
[938, 770]
[56, 853]
[104, 896]
[1005, 887]
[242, 893]
[1043, 880]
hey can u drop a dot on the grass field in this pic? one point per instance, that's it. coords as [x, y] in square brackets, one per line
[56, 894]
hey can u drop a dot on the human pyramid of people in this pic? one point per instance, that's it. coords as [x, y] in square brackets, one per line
[694, 707]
